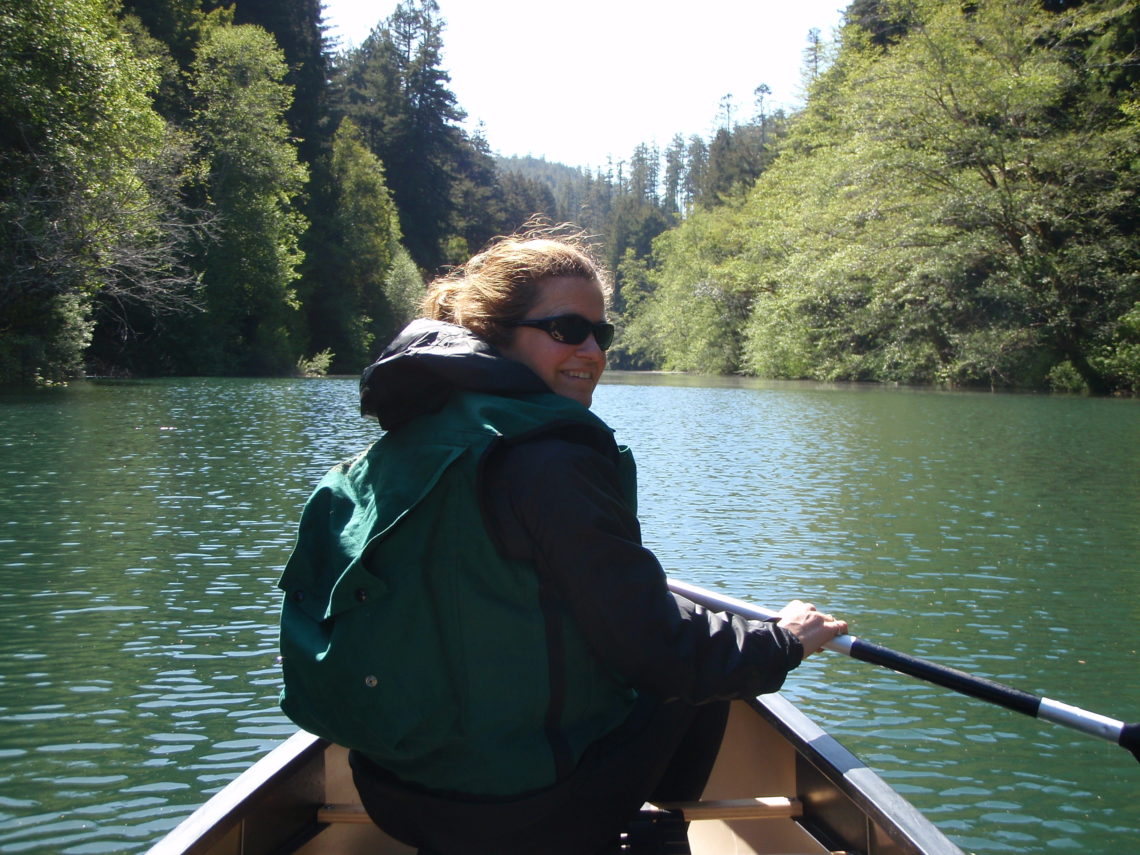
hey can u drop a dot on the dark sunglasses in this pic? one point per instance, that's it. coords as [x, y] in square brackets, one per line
[573, 329]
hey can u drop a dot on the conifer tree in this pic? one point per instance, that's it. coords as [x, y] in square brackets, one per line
[252, 180]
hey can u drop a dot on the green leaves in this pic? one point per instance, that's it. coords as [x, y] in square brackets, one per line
[351, 308]
[82, 204]
[956, 204]
[252, 179]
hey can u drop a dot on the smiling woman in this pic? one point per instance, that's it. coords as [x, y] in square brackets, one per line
[561, 343]
[505, 661]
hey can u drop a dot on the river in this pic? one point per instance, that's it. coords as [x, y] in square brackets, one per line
[145, 522]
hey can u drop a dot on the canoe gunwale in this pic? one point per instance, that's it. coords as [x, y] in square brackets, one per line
[226, 808]
[882, 804]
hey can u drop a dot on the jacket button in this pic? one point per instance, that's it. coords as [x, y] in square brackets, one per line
[361, 594]
[371, 682]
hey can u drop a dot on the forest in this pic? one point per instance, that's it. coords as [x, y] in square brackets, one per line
[196, 187]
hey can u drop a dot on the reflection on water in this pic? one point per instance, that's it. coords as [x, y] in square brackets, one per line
[144, 525]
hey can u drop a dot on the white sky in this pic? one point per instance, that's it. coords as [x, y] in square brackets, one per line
[575, 82]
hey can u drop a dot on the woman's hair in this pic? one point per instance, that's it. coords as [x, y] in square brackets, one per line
[497, 287]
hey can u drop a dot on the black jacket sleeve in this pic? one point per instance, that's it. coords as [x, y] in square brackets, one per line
[558, 503]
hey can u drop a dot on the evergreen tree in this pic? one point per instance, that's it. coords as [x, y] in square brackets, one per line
[696, 178]
[523, 197]
[349, 311]
[477, 199]
[673, 199]
[395, 91]
[644, 174]
[253, 178]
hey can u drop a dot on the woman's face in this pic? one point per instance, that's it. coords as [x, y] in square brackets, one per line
[571, 370]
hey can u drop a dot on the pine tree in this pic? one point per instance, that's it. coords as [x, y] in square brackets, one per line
[395, 91]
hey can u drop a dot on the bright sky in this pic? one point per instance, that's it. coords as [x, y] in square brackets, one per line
[580, 81]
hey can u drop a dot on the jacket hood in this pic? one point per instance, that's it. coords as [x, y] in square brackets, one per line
[429, 361]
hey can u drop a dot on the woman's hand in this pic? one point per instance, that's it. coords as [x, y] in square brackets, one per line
[812, 627]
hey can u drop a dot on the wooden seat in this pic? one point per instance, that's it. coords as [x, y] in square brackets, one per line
[332, 814]
[772, 807]
[659, 828]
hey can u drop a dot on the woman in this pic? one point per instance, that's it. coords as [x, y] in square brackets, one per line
[469, 606]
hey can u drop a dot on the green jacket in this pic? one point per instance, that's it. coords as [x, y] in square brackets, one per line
[406, 635]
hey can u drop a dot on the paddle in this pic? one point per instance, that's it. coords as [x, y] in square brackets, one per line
[1125, 735]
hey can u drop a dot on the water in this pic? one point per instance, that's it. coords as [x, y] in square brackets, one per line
[144, 524]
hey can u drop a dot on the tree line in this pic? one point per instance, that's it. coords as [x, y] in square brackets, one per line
[199, 187]
[956, 204]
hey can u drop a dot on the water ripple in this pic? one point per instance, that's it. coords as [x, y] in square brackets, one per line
[144, 525]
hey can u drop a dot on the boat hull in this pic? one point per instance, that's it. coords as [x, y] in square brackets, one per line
[780, 785]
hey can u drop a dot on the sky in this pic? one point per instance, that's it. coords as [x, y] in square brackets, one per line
[579, 83]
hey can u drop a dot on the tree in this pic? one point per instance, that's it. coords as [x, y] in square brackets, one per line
[89, 203]
[176, 24]
[395, 91]
[814, 57]
[523, 197]
[252, 181]
[676, 167]
[351, 310]
[644, 174]
[697, 157]
[477, 199]
[296, 27]
[689, 309]
[884, 22]
[955, 205]
[957, 208]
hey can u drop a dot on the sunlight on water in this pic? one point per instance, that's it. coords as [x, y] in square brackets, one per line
[144, 526]
[995, 534]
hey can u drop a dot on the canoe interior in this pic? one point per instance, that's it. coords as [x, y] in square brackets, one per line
[771, 752]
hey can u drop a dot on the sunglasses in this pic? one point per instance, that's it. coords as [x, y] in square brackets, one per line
[573, 329]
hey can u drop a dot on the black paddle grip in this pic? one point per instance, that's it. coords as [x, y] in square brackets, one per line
[950, 678]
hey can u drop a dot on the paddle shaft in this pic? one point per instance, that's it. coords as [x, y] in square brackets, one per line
[1094, 724]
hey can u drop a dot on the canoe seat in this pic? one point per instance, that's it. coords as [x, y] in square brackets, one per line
[653, 832]
[661, 828]
[772, 807]
[330, 814]
[658, 829]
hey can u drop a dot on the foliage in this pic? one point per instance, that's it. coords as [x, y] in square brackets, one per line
[88, 199]
[316, 365]
[955, 205]
[694, 318]
[350, 309]
[296, 29]
[632, 202]
[252, 178]
[394, 89]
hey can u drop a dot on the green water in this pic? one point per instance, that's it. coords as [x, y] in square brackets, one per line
[143, 526]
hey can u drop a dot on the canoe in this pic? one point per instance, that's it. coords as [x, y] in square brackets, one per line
[780, 785]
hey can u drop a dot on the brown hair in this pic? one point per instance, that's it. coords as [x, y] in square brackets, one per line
[497, 287]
